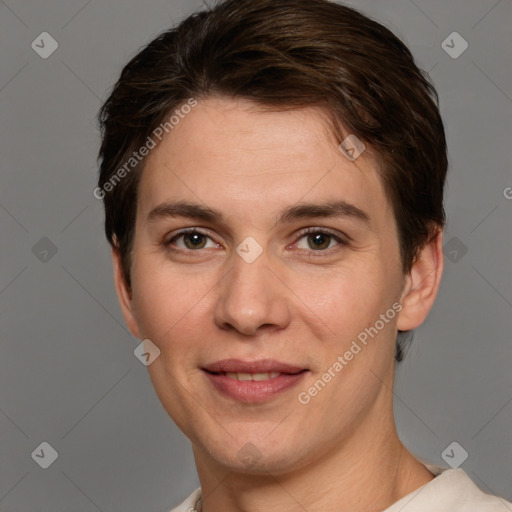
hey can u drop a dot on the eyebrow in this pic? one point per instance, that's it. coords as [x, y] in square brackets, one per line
[330, 209]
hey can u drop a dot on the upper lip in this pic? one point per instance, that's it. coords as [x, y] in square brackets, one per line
[260, 366]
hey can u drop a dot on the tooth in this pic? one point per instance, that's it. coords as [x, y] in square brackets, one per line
[260, 376]
[252, 376]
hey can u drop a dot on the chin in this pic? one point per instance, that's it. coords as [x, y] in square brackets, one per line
[243, 455]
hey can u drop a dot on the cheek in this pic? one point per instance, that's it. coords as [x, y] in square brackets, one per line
[345, 299]
[167, 303]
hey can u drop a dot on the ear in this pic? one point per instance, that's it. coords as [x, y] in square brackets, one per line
[124, 294]
[422, 284]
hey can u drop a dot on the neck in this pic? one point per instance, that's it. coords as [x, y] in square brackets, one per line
[367, 472]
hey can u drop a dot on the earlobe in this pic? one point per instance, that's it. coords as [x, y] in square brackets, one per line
[422, 284]
[124, 294]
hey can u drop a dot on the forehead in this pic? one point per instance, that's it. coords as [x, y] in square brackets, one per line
[234, 156]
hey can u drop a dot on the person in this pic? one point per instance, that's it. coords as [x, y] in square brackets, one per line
[272, 174]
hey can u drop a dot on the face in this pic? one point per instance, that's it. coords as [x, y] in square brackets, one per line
[241, 271]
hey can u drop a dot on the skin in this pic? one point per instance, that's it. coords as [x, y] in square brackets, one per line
[295, 303]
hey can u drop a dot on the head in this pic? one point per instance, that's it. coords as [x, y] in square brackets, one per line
[235, 125]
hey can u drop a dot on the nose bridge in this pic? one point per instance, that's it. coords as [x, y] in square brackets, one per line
[251, 296]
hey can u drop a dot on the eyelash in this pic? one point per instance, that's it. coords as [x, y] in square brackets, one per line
[303, 233]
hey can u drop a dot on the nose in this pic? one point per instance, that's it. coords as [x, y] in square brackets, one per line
[251, 298]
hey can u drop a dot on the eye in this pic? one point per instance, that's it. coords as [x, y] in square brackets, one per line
[318, 240]
[190, 239]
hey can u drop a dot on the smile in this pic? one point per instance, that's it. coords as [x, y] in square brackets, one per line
[252, 381]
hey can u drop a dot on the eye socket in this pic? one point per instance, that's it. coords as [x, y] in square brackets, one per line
[319, 240]
[192, 239]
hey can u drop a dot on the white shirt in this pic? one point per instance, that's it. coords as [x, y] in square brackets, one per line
[450, 491]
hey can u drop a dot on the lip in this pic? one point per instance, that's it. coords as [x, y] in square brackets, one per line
[259, 366]
[248, 391]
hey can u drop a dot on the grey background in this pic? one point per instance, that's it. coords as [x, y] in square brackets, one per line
[68, 374]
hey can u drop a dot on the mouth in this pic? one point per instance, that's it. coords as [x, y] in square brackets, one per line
[253, 381]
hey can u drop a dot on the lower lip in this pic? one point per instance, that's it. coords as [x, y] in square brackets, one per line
[251, 391]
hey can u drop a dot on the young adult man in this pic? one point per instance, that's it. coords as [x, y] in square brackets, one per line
[273, 176]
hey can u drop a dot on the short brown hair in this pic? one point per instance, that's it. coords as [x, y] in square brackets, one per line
[285, 54]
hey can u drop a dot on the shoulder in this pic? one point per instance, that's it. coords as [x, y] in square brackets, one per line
[188, 504]
[450, 491]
